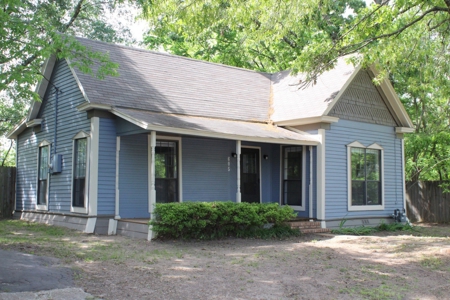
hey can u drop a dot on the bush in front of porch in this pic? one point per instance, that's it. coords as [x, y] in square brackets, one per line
[209, 220]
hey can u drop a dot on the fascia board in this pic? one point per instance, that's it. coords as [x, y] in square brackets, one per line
[306, 121]
[183, 131]
[341, 91]
[80, 86]
[394, 100]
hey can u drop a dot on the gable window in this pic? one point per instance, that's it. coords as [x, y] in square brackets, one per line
[292, 177]
[43, 175]
[80, 171]
[365, 177]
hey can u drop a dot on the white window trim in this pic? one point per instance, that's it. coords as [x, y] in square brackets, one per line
[180, 162]
[294, 207]
[260, 171]
[351, 207]
[44, 207]
[81, 210]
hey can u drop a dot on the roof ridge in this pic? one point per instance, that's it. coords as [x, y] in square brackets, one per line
[172, 55]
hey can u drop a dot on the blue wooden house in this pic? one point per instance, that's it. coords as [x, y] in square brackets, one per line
[97, 154]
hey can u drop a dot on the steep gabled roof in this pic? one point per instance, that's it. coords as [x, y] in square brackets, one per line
[290, 101]
[167, 84]
[293, 105]
[160, 82]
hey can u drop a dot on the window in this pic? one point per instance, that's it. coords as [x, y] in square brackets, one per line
[166, 172]
[80, 172]
[365, 177]
[292, 177]
[43, 175]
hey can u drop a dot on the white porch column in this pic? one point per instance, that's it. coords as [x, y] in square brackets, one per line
[117, 217]
[321, 178]
[93, 175]
[310, 182]
[238, 168]
[151, 174]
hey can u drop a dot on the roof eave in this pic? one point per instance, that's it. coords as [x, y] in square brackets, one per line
[211, 134]
[17, 130]
[306, 121]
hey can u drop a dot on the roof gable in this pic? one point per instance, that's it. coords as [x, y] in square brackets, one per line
[362, 102]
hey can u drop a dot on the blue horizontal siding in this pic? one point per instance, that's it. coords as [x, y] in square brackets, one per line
[133, 176]
[205, 169]
[70, 122]
[107, 168]
[343, 133]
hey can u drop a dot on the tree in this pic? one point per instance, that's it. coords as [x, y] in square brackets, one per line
[409, 40]
[31, 31]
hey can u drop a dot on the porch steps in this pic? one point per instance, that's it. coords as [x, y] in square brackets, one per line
[307, 226]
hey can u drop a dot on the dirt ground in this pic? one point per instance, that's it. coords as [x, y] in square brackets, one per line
[406, 265]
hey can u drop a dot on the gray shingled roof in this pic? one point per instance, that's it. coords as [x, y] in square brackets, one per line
[291, 102]
[216, 127]
[166, 83]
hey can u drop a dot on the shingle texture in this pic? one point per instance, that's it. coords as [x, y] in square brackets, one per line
[209, 125]
[362, 102]
[291, 102]
[171, 84]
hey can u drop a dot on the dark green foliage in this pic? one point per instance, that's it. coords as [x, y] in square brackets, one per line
[363, 230]
[209, 220]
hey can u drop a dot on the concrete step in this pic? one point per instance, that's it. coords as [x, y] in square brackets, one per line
[304, 224]
[315, 230]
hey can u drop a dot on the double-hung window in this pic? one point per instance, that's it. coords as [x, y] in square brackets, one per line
[79, 176]
[365, 168]
[43, 175]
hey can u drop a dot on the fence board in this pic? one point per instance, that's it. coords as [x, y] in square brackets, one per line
[7, 191]
[428, 201]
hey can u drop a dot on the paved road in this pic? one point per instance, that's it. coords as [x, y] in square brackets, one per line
[26, 276]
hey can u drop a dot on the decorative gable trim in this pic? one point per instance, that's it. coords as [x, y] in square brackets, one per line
[375, 146]
[80, 135]
[342, 90]
[44, 143]
[356, 144]
[393, 100]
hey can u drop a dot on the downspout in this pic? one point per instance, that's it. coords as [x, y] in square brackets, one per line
[310, 183]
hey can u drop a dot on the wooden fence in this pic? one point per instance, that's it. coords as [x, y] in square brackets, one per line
[428, 201]
[7, 191]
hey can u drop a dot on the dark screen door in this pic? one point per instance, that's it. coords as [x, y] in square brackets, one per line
[250, 175]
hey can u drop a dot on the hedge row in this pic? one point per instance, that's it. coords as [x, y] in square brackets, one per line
[208, 220]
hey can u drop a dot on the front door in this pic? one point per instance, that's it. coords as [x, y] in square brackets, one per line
[250, 190]
[166, 171]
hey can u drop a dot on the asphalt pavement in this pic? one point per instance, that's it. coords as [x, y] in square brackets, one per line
[25, 276]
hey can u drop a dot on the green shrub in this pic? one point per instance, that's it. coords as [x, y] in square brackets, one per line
[207, 220]
[363, 230]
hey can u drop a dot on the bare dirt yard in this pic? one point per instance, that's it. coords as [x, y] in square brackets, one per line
[401, 265]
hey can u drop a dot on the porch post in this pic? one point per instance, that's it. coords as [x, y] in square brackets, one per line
[238, 168]
[321, 178]
[310, 182]
[151, 173]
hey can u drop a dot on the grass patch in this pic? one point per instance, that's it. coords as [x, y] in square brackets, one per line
[365, 230]
[431, 262]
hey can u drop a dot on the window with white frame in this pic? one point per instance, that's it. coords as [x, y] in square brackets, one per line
[43, 175]
[80, 172]
[365, 176]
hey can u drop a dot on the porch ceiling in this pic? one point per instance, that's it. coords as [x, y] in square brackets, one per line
[214, 128]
